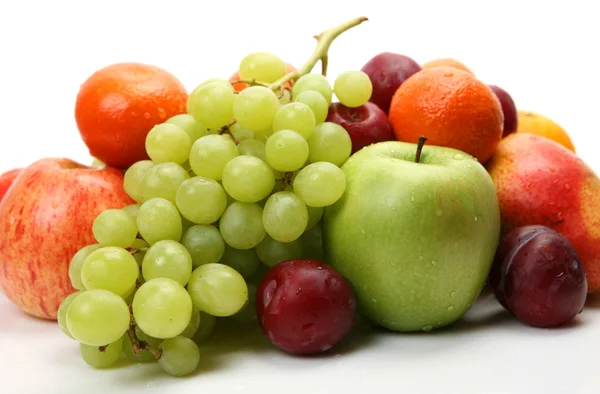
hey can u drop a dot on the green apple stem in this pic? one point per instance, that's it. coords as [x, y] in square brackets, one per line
[324, 41]
[420, 145]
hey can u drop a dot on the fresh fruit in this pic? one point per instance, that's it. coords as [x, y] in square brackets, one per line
[158, 219]
[305, 306]
[167, 259]
[110, 268]
[509, 110]
[286, 150]
[255, 107]
[541, 182]
[118, 105]
[353, 88]
[162, 180]
[179, 356]
[101, 357]
[7, 179]
[217, 289]
[167, 142]
[533, 123]
[239, 86]
[45, 219]
[387, 72]
[451, 108]
[447, 62]
[295, 116]
[285, 216]
[330, 142]
[248, 179]
[242, 225]
[366, 124]
[209, 155]
[262, 66]
[209, 191]
[115, 227]
[320, 184]
[316, 82]
[205, 244]
[415, 240]
[316, 102]
[538, 277]
[61, 315]
[211, 104]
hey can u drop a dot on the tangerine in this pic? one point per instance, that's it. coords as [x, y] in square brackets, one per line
[451, 108]
[118, 105]
[447, 62]
[533, 123]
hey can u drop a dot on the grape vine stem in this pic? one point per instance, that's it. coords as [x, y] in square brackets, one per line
[324, 41]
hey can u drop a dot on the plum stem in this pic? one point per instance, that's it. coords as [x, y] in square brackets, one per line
[420, 145]
[324, 41]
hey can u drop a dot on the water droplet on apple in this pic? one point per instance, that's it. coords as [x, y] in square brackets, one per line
[374, 300]
[567, 186]
[452, 293]
[450, 308]
[458, 156]
[362, 230]
[434, 263]
[427, 328]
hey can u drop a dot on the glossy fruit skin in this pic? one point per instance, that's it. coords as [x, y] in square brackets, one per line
[366, 124]
[45, 218]
[538, 277]
[7, 179]
[118, 105]
[450, 107]
[305, 306]
[447, 62]
[509, 110]
[534, 123]
[387, 71]
[539, 181]
[239, 86]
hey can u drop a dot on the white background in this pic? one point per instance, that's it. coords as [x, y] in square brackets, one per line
[545, 53]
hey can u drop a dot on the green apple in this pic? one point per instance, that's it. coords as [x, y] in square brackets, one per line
[415, 239]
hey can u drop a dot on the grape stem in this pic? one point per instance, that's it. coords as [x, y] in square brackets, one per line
[420, 144]
[250, 82]
[138, 345]
[324, 41]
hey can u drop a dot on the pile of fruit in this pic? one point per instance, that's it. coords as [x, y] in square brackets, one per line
[260, 200]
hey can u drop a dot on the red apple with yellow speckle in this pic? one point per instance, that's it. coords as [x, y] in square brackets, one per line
[6, 180]
[539, 181]
[45, 217]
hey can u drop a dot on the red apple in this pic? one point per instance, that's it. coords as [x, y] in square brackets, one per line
[7, 179]
[45, 218]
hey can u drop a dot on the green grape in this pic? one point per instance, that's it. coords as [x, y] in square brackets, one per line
[248, 179]
[320, 184]
[143, 356]
[254, 108]
[139, 259]
[217, 289]
[139, 244]
[244, 261]
[167, 259]
[210, 154]
[316, 82]
[168, 143]
[254, 148]
[101, 357]
[272, 252]
[190, 101]
[97, 317]
[262, 66]
[314, 216]
[206, 327]
[286, 150]
[132, 210]
[262, 137]
[163, 180]
[285, 96]
[61, 314]
[295, 116]
[330, 142]
[114, 227]
[353, 88]
[159, 219]
[76, 264]
[316, 102]
[312, 244]
[240, 133]
[162, 308]
[212, 104]
[204, 243]
[192, 327]
[191, 126]
[179, 356]
[97, 163]
[241, 225]
[129, 297]
[134, 175]
[201, 200]
[110, 268]
[185, 224]
[248, 312]
[285, 216]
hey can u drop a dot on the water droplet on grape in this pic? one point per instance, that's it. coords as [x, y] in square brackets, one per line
[458, 156]
[392, 264]
[439, 212]
[374, 300]
[450, 308]
[434, 263]
[412, 198]
[476, 218]
[362, 230]
[452, 293]
[420, 257]
[427, 328]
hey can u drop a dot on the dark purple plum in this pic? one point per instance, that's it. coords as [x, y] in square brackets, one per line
[508, 108]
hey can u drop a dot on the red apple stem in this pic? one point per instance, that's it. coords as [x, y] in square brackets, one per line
[420, 145]
[324, 41]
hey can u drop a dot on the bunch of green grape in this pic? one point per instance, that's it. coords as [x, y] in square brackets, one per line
[234, 186]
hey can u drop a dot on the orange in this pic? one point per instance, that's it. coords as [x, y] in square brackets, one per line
[447, 62]
[238, 87]
[118, 105]
[532, 123]
[450, 107]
